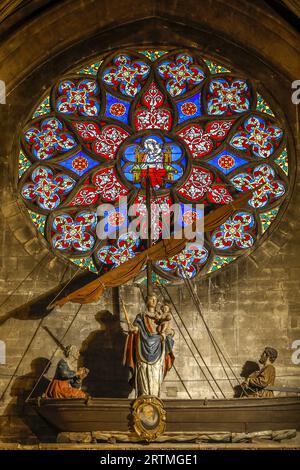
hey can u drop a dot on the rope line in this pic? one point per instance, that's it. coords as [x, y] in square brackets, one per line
[195, 346]
[29, 344]
[182, 382]
[21, 360]
[55, 351]
[23, 280]
[63, 288]
[215, 344]
[175, 368]
[227, 361]
[208, 331]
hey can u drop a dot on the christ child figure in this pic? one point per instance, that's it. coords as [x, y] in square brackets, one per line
[163, 319]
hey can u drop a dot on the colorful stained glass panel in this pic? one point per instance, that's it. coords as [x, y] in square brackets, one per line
[189, 108]
[80, 163]
[227, 162]
[173, 119]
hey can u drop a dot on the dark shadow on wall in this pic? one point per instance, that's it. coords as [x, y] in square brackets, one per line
[248, 368]
[21, 414]
[102, 354]
[38, 307]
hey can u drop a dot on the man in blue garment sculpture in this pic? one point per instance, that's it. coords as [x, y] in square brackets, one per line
[148, 353]
[68, 378]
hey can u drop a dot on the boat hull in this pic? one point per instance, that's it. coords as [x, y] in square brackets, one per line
[234, 415]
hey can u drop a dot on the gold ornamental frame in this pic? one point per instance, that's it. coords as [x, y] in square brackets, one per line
[149, 417]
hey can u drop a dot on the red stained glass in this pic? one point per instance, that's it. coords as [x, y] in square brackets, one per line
[196, 130]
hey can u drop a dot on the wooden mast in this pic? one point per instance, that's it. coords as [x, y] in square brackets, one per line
[149, 240]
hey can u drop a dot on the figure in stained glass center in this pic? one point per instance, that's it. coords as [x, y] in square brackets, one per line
[67, 379]
[153, 161]
[148, 353]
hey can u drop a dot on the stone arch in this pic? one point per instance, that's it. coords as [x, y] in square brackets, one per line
[141, 28]
[39, 43]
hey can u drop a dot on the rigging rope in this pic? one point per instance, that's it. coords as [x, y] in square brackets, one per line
[182, 382]
[65, 272]
[213, 340]
[197, 349]
[35, 333]
[21, 360]
[216, 346]
[175, 368]
[224, 353]
[49, 306]
[51, 358]
[23, 280]
[32, 338]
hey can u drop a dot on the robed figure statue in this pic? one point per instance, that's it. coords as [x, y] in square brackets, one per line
[258, 382]
[148, 351]
[67, 380]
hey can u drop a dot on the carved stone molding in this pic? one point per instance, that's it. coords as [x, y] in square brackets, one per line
[178, 437]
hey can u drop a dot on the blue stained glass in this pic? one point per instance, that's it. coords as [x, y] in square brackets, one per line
[234, 231]
[179, 173]
[115, 220]
[79, 163]
[176, 152]
[189, 108]
[180, 74]
[126, 248]
[189, 213]
[117, 108]
[130, 153]
[226, 162]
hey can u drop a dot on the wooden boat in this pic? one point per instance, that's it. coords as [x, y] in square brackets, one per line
[236, 415]
[232, 415]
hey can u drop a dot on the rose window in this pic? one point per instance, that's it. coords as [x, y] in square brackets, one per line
[193, 130]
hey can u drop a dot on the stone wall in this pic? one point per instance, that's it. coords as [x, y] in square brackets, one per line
[252, 304]
[249, 305]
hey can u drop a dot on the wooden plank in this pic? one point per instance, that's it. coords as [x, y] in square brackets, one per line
[238, 415]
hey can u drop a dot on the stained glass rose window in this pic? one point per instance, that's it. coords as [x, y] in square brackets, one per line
[200, 132]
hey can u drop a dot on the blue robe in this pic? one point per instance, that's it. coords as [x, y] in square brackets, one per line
[63, 372]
